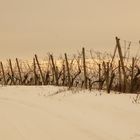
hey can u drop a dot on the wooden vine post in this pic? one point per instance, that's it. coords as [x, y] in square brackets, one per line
[121, 62]
[107, 77]
[63, 80]
[42, 78]
[54, 70]
[12, 72]
[132, 75]
[35, 74]
[3, 73]
[120, 76]
[99, 65]
[19, 71]
[68, 71]
[84, 67]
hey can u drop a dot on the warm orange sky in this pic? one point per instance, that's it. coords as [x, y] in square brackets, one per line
[40, 26]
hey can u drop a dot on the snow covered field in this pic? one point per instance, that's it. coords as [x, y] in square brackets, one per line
[53, 113]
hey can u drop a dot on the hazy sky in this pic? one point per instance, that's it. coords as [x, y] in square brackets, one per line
[40, 26]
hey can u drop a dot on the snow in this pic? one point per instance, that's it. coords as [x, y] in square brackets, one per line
[55, 113]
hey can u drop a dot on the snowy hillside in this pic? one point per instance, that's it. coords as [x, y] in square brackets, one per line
[53, 113]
